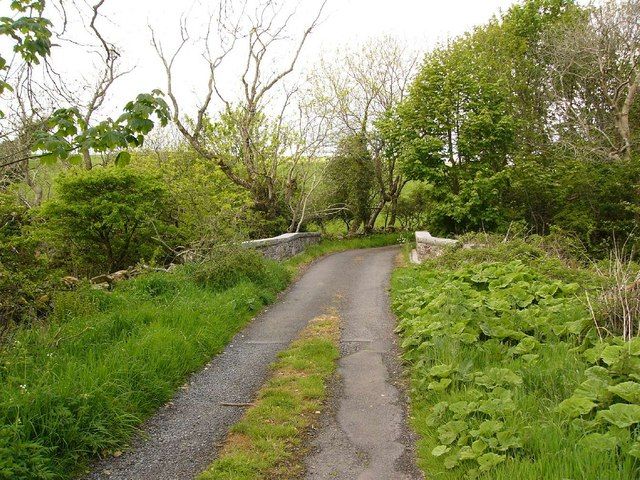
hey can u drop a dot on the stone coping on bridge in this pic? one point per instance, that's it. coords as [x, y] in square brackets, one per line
[283, 246]
[428, 246]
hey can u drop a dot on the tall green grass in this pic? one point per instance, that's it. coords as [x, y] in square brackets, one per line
[80, 384]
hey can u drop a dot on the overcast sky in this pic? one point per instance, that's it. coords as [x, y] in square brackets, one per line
[347, 23]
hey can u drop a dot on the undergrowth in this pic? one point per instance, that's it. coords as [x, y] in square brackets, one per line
[510, 378]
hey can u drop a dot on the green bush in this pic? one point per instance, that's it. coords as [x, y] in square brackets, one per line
[228, 266]
[26, 283]
[107, 219]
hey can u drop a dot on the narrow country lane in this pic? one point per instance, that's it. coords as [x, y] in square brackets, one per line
[365, 436]
[362, 436]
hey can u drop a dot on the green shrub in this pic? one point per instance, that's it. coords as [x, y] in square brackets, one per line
[26, 280]
[107, 219]
[228, 266]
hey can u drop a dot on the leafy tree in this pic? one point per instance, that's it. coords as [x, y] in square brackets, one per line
[350, 172]
[66, 131]
[453, 130]
[209, 208]
[357, 91]
[109, 218]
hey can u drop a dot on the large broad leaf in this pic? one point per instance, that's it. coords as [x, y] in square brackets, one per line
[441, 371]
[497, 406]
[448, 432]
[576, 406]
[612, 354]
[452, 461]
[487, 429]
[439, 386]
[621, 414]
[635, 450]
[596, 389]
[526, 345]
[600, 373]
[508, 440]
[629, 391]
[600, 442]
[440, 450]
[467, 453]
[489, 461]
[495, 377]
[633, 346]
[521, 297]
[123, 158]
[463, 409]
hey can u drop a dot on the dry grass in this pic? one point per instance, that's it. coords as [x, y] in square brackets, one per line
[616, 310]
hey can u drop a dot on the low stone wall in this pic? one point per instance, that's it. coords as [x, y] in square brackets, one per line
[283, 246]
[429, 247]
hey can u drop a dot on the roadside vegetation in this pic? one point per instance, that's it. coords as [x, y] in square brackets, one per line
[520, 365]
[267, 441]
[79, 384]
[118, 275]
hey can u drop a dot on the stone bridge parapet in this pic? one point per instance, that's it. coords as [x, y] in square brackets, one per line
[283, 246]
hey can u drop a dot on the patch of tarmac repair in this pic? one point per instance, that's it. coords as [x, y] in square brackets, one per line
[364, 435]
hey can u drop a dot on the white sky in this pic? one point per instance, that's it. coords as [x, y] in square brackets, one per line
[347, 23]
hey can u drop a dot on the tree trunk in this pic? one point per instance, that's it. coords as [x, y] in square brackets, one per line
[394, 209]
[371, 223]
[623, 117]
[355, 225]
[86, 156]
[37, 190]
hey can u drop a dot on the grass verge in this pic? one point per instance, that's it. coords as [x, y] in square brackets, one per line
[509, 377]
[265, 443]
[79, 385]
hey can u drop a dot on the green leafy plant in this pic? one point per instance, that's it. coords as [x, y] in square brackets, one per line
[496, 349]
[108, 219]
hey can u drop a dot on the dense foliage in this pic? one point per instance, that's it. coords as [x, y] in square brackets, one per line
[26, 279]
[81, 384]
[510, 378]
[108, 219]
[488, 127]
